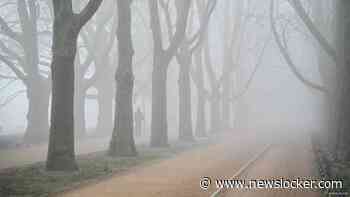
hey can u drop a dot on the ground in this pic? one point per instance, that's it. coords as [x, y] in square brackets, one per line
[289, 157]
[180, 176]
[37, 153]
[288, 160]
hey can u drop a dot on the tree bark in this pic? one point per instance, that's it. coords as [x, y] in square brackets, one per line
[66, 28]
[159, 128]
[343, 77]
[161, 60]
[61, 153]
[122, 142]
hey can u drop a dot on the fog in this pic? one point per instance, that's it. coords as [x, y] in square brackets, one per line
[85, 76]
[274, 92]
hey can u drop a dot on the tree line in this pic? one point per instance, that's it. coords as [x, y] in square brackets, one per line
[45, 57]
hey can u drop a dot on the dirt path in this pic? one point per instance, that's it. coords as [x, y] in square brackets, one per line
[291, 160]
[178, 176]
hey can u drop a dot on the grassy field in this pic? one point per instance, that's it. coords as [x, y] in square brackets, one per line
[34, 181]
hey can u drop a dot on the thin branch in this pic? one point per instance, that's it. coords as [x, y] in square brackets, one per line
[287, 57]
[296, 4]
[18, 73]
[9, 32]
[252, 75]
[181, 24]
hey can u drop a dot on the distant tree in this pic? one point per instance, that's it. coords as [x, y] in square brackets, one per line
[232, 38]
[184, 58]
[161, 60]
[197, 76]
[122, 142]
[20, 52]
[225, 90]
[66, 28]
[215, 95]
[97, 40]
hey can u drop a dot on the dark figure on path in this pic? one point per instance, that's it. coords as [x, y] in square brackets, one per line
[139, 118]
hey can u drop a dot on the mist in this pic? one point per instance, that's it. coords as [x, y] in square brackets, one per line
[204, 88]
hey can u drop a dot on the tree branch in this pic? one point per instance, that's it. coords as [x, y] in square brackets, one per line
[183, 8]
[85, 15]
[296, 4]
[287, 57]
[18, 73]
[9, 32]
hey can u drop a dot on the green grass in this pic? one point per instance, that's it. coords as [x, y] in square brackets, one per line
[34, 181]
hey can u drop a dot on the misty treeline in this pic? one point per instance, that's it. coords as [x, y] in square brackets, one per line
[119, 53]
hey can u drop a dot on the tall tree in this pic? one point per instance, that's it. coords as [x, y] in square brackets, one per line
[27, 66]
[66, 28]
[161, 60]
[340, 57]
[197, 76]
[235, 22]
[184, 58]
[122, 142]
[282, 45]
[343, 80]
[97, 43]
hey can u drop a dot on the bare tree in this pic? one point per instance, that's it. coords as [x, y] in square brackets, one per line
[66, 28]
[197, 76]
[233, 30]
[215, 96]
[339, 55]
[296, 4]
[161, 60]
[122, 142]
[27, 65]
[343, 76]
[282, 45]
[98, 43]
[184, 58]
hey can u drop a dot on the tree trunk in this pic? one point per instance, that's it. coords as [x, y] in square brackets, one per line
[226, 104]
[61, 153]
[37, 89]
[79, 111]
[159, 128]
[200, 122]
[343, 77]
[161, 60]
[215, 113]
[185, 108]
[66, 28]
[37, 118]
[105, 111]
[122, 142]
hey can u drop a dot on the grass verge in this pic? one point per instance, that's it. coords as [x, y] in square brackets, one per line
[34, 181]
